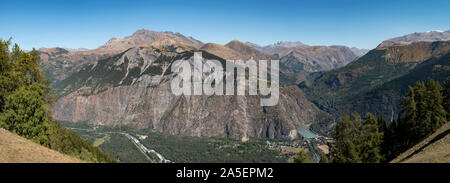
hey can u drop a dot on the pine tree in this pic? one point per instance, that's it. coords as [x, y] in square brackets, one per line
[24, 114]
[346, 135]
[446, 96]
[371, 139]
[22, 94]
[434, 102]
[423, 113]
[389, 141]
[24, 97]
[420, 122]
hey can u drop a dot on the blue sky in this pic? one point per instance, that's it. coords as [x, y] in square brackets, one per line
[89, 24]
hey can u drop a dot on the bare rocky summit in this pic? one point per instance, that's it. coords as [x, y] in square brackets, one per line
[143, 37]
[59, 63]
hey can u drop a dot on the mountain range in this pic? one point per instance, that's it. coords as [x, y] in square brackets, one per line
[126, 82]
[133, 88]
[429, 36]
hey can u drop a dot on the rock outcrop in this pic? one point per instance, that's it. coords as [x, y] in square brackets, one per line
[133, 88]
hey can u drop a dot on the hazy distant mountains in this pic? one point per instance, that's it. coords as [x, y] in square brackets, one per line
[276, 47]
[286, 46]
[359, 51]
[428, 36]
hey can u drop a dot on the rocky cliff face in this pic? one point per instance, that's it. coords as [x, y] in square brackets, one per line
[133, 88]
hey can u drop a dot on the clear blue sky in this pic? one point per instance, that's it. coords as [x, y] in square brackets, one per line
[89, 24]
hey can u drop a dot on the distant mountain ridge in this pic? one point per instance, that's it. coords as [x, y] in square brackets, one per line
[428, 36]
[59, 63]
[276, 47]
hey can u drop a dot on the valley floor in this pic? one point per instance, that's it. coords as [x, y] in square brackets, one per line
[132, 145]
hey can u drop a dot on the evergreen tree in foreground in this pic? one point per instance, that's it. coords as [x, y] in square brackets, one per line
[24, 101]
[446, 96]
[424, 110]
[371, 140]
[358, 141]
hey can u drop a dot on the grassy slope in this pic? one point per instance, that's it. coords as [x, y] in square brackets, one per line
[434, 149]
[16, 149]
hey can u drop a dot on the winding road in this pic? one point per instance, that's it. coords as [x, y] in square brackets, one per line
[144, 150]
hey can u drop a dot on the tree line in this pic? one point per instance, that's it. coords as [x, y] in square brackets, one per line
[425, 108]
[24, 102]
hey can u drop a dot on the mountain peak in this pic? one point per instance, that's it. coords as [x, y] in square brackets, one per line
[143, 37]
[142, 31]
[239, 46]
[212, 46]
[221, 51]
[288, 44]
[235, 42]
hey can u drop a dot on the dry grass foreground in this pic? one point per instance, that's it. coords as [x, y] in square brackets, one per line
[16, 149]
[434, 149]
